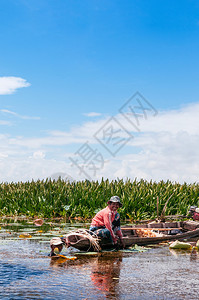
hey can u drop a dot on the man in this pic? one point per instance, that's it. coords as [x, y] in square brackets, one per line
[106, 223]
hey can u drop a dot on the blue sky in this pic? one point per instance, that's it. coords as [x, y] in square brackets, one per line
[62, 60]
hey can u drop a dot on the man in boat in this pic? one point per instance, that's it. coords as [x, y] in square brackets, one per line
[106, 223]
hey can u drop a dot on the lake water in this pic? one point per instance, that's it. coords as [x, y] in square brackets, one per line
[26, 271]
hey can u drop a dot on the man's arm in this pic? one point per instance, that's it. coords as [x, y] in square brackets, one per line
[108, 225]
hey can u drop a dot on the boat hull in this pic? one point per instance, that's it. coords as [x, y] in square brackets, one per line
[188, 229]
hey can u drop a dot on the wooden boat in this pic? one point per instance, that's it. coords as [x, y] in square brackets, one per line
[152, 233]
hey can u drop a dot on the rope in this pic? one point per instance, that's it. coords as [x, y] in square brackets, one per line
[81, 234]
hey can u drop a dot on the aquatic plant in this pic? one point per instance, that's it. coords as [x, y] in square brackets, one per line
[81, 199]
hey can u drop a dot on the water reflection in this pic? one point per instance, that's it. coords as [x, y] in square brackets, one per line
[105, 275]
[104, 270]
[193, 253]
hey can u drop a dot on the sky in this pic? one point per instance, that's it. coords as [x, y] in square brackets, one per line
[99, 88]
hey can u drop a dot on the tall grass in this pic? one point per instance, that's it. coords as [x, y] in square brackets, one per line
[82, 199]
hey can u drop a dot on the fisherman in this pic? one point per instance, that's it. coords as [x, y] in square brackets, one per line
[106, 223]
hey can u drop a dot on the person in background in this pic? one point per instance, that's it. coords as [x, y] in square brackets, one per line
[106, 223]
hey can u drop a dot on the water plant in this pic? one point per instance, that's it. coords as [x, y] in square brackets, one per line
[81, 199]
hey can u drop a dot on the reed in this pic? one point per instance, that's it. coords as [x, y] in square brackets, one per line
[82, 199]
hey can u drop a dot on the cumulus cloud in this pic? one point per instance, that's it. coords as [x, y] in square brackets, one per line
[9, 84]
[160, 157]
[165, 148]
[38, 155]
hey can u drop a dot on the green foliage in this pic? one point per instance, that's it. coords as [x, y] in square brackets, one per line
[83, 198]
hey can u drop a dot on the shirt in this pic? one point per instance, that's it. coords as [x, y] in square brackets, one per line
[106, 217]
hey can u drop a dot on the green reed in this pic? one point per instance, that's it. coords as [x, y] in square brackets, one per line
[83, 199]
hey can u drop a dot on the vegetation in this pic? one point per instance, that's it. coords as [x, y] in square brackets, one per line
[83, 199]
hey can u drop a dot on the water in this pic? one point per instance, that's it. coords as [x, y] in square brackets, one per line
[26, 272]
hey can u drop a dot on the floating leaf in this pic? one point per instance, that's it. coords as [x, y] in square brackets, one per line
[44, 242]
[87, 253]
[25, 236]
[27, 229]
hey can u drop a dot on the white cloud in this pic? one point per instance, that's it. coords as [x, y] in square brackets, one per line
[92, 114]
[161, 157]
[8, 85]
[2, 122]
[184, 119]
[38, 155]
[166, 148]
[12, 113]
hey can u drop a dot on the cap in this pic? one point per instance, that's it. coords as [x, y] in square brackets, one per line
[115, 199]
[56, 241]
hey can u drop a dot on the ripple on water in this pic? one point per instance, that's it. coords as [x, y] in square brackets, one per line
[14, 272]
[26, 272]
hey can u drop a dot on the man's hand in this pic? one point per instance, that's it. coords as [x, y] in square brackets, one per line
[115, 240]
